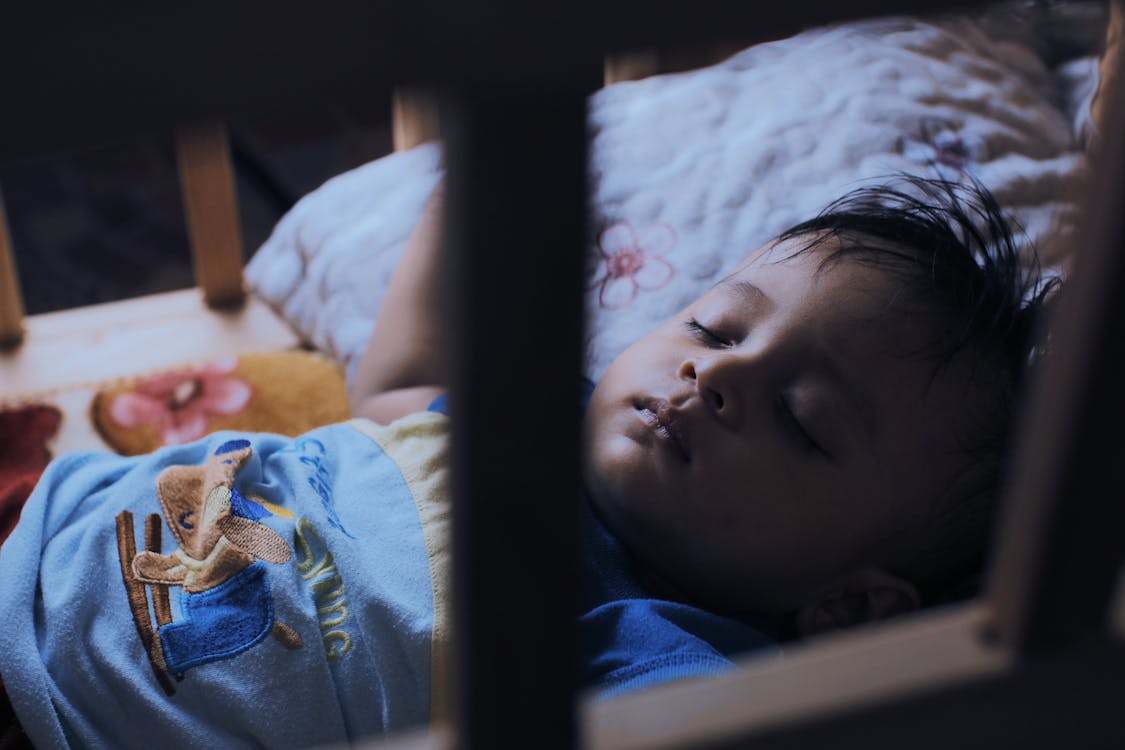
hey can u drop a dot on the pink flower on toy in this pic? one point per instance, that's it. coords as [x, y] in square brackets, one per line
[180, 403]
[631, 259]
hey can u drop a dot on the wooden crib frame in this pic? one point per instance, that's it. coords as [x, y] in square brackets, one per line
[52, 351]
[1037, 661]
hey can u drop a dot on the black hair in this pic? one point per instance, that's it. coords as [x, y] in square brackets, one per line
[953, 250]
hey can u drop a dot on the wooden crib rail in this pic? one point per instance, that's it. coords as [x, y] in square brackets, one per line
[145, 69]
[211, 214]
[1028, 665]
[414, 118]
[52, 352]
[11, 301]
[211, 210]
[1062, 548]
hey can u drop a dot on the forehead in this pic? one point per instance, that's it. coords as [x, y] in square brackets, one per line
[809, 273]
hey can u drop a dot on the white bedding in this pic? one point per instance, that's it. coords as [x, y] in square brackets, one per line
[692, 171]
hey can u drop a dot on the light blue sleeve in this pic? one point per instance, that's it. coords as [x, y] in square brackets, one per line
[297, 607]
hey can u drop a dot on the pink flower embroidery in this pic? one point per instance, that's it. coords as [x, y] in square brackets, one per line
[939, 145]
[180, 403]
[631, 260]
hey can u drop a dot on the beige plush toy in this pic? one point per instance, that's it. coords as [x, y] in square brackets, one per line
[287, 392]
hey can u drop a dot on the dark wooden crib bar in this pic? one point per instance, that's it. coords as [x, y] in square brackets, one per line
[1036, 662]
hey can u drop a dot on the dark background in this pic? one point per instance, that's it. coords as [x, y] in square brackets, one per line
[108, 223]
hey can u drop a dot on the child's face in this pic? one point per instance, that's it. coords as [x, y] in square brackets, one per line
[774, 436]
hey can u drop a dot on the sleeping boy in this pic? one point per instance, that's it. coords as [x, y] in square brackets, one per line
[812, 444]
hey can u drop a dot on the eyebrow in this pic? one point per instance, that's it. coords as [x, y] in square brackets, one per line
[747, 291]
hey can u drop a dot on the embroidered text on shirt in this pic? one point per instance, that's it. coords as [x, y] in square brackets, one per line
[317, 566]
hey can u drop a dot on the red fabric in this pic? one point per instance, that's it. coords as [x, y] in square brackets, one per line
[24, 432]
[14, 492]
[11, 733]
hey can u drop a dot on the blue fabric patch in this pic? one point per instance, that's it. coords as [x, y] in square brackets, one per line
[244, 508]
[633, 643]
[231, 445]
[440, 404]
[219, 623]
[587, 390]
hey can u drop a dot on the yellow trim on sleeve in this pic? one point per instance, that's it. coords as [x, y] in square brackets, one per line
[419, 445]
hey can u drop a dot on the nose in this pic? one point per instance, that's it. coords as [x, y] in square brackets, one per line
[721, 382]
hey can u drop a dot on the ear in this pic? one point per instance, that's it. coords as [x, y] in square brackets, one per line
[864, 595]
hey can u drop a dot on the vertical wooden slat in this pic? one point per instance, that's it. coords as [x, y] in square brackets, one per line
[515, 237]
[414, 118]
[211, 207]
[1110, 67]
[1063, 540]
[631, 66]
[11, 301]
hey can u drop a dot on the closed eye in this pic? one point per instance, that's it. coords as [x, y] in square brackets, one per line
[796, 430]
[705, 335]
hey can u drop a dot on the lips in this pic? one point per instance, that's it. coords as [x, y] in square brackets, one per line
[664, 422]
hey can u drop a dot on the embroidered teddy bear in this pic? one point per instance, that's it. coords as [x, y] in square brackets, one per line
[225, 606]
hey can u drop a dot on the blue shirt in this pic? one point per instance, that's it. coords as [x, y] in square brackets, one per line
[632, 638]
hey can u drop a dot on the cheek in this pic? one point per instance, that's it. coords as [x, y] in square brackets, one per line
[646, 359]
[611, 455]
[613, 468]
[761, 508]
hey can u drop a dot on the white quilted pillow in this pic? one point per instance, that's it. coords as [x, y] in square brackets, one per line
[690, 172]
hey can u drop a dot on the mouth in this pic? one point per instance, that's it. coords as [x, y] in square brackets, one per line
[663, 422]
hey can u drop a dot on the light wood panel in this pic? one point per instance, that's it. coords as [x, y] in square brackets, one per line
[86, 345]
[414, 118]
[631, 66]
[211, 210]
[11, 301]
